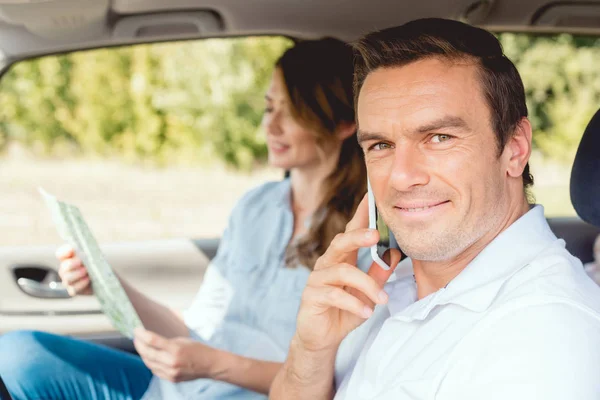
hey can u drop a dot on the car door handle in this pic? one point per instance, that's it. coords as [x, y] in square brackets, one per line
[52, 290]
[40, 281]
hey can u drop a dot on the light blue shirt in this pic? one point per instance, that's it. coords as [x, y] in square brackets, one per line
[249, 299]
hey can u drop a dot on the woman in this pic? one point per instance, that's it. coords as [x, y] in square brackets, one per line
[232, 340]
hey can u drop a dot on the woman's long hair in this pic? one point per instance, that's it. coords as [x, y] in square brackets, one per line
[318, 75]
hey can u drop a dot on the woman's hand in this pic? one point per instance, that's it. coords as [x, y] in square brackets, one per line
[176, 360]
[73, 273]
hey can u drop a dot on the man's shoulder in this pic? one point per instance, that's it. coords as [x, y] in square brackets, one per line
[539, 316]
[552, 277]
[550, 296]
[545, 304]
[545, 350]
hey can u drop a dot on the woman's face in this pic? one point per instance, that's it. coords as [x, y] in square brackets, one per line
[291, 145]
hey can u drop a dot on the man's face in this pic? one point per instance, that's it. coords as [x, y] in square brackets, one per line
[432, 156]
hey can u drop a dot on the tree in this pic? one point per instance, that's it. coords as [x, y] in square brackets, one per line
[562, 83]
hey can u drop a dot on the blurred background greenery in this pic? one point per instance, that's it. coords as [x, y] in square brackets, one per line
[168, 103]
[201, 102]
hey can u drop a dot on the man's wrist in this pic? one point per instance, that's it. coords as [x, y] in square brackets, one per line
[309, 367]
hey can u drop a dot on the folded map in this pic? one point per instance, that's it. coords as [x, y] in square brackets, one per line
[108, 289]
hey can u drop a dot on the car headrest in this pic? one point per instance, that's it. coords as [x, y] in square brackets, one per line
[585, 176]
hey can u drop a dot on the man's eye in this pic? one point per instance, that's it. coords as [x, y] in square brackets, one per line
[268, 110]
[381, 146]
[439, 138]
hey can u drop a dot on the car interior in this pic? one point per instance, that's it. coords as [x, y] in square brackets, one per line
[30, 297]
[4, 395]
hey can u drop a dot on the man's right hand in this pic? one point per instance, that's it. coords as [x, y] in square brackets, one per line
[73, 273]
[339, 297]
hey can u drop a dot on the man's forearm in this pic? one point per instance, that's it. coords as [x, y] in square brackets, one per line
[155, 316]
[305, 375]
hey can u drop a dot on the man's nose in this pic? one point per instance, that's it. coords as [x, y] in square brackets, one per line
[409, 168]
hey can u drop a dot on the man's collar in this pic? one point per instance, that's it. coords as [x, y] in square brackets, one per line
[479, 283]
[401, 287]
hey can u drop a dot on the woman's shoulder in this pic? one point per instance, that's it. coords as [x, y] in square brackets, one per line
[266, 193]
[265, 196]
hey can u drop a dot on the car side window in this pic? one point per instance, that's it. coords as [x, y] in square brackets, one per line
[563, 93]
[151, 141]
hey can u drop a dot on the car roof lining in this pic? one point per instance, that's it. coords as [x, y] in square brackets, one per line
[344, 19]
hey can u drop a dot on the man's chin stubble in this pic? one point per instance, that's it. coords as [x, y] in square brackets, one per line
[442, 249]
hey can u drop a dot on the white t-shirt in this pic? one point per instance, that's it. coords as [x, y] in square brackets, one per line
[520, 322]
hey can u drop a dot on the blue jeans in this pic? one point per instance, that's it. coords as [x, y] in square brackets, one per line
[39, 365]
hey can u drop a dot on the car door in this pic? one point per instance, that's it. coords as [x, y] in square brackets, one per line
[143, 144]
[170, 271]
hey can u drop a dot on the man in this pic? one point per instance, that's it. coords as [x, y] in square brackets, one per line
[497, 308]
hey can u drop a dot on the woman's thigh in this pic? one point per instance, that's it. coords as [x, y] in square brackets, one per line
[39, 365]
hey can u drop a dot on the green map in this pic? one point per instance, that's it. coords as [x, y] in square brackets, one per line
[112, 297]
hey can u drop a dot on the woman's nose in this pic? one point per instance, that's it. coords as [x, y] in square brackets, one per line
[272, 124]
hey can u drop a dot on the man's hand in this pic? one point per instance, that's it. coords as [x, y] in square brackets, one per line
[337, 299]
[339, 296]
[176, 360]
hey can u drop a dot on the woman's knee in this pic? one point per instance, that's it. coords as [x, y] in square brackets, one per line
[42, 365]
[19, 350]
[18, 344]
[22, 355]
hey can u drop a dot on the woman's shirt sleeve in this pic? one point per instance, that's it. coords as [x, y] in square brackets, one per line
[210, 305]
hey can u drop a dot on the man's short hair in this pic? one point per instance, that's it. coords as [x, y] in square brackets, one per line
[454, 41]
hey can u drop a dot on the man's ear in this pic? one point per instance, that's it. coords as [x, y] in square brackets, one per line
[518, 148]
[345, 130]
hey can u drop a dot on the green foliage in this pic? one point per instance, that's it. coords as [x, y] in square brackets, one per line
[202, 101]
[184, 102]
[562, 83]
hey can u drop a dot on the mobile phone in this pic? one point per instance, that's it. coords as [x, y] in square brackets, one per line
[386, 237]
